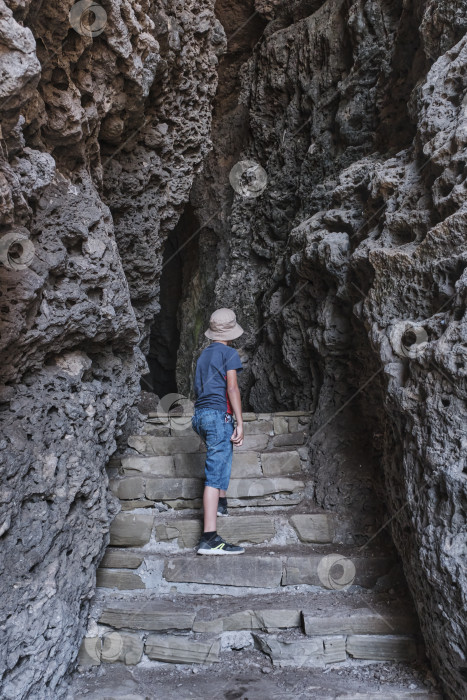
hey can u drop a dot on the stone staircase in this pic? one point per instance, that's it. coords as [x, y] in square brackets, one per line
[306, 594]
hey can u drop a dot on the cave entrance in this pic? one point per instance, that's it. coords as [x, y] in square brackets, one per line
[179, 262]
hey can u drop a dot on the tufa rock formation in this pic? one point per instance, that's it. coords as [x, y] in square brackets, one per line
[100, 139]
[347, 271]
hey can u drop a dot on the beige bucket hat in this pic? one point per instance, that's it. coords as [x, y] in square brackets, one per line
[223, 326]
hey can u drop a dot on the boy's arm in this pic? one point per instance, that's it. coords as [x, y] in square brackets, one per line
[234, 396]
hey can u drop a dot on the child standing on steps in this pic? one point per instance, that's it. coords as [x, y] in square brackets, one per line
[217, 399]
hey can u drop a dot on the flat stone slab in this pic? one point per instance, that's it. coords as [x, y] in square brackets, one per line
[131, 529]
[248, 416]
[163, 489]
[334, 571]
[309, 653]
[257, 427]
[129, 487]
[123, 580]
[283, 500]
[381, 647]
[190, 464]
[157, 466]
[146, 615]
[296, 438]
[90, 652]
[362, 622]
[250, 620]
[227, 570]
[281, 425]
[318, 528]
[118, 559]
[249, 488]
[181, 650]
[255, 529]
[152, 445]
[121, 646]
[159, 430]
[136, 503]
[253, 442]
[293, 413]
[244, 464]
[279, 463]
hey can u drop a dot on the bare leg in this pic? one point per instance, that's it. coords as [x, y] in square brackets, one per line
[222, 493]
[210, 502]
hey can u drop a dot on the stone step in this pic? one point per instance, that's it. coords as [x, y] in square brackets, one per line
[351, 613]
[333, 571]
[152, 615]
[268, 423]
[145, 491]
[172, 649]
[252, 529]
[131, 529]
[191, 465]
[154, 445]
[367, 620]
[158, 446]
[262, 570]
[381, 648]
[245, 570]
[121, 559]
[125, 625]
[315, 652]
[121, 646]
[123, 580]
[255, 528]
[175, 427]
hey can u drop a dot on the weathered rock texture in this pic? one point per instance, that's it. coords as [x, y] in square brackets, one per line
[100, 139]
[356, 109]
[348, 271]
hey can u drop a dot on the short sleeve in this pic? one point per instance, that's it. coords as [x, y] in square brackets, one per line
[233, 360]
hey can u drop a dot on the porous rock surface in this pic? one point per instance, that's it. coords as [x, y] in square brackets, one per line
[348, 271]
[100, 138]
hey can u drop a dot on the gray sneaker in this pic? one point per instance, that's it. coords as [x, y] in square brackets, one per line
[216, 545]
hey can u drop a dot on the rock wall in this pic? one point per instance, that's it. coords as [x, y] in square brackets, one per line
[105, 120]
[347, 272]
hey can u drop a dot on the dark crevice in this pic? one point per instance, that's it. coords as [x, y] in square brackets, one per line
[180, 261]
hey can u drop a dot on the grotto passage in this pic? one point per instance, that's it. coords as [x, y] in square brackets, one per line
[304, 163]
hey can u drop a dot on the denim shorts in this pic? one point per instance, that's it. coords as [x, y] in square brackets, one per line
[215, 428]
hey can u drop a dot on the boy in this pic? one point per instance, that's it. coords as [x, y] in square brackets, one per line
[217, 399]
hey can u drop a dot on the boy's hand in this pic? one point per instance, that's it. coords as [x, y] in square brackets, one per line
[237, 435]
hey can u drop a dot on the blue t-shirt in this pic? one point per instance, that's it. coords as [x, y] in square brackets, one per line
[211, 376]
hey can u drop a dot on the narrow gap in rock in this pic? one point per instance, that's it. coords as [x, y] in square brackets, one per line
[180, 261]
